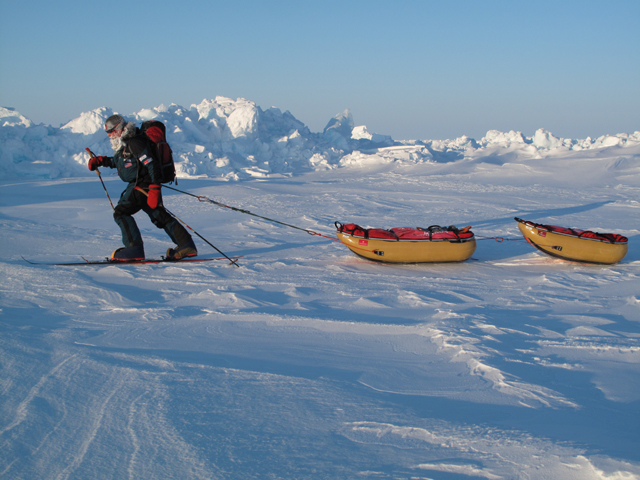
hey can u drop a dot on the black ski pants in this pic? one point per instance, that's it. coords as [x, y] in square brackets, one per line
[131, 202]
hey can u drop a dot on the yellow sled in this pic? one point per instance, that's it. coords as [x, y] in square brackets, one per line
[573, 244]
[408, 245]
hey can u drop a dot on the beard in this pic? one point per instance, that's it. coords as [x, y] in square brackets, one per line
[117, 143]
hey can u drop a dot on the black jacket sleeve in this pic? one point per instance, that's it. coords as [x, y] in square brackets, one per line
[108, 162]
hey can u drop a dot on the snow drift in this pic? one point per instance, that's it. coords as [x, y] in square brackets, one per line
[233, 139]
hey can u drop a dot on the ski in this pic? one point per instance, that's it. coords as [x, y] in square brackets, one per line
[107, 261]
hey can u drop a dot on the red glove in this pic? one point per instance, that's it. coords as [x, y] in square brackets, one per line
[95, 162]
[154, 196]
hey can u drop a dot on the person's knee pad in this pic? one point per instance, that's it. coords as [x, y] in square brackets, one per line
[157, 221]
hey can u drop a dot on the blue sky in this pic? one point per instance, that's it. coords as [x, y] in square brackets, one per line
[410, 69]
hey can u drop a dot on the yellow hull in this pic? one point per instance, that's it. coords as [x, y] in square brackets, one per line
[406, 251]
[569, 247]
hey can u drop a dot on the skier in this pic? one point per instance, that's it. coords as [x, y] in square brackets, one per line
[137, 166]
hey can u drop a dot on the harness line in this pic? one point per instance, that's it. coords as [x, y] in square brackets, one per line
[202, 198]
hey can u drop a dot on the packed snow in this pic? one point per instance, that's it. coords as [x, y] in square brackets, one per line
[308, 361]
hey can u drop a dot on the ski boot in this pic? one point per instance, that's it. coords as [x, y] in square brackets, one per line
[183, 251]
[128, 254]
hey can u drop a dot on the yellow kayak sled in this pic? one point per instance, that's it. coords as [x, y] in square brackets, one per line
[409, 245]
[573, 244]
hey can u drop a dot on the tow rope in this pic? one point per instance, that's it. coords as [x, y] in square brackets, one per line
[202, 198]
[500, 239]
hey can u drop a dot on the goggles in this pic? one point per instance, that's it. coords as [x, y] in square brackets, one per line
[113, 129]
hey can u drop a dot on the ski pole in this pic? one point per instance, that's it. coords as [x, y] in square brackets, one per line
[233, 262]
[100, 176]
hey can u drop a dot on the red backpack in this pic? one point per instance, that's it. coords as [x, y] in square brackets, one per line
[156, 133]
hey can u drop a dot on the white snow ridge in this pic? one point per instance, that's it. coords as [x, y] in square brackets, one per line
[309, 362]
[233, 139]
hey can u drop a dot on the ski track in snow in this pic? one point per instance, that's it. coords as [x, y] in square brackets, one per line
[309, 362]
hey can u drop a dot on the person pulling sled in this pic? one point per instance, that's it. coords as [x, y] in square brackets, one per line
[138, 160]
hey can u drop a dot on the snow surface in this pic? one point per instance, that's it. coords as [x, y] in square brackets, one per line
[310, 362]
